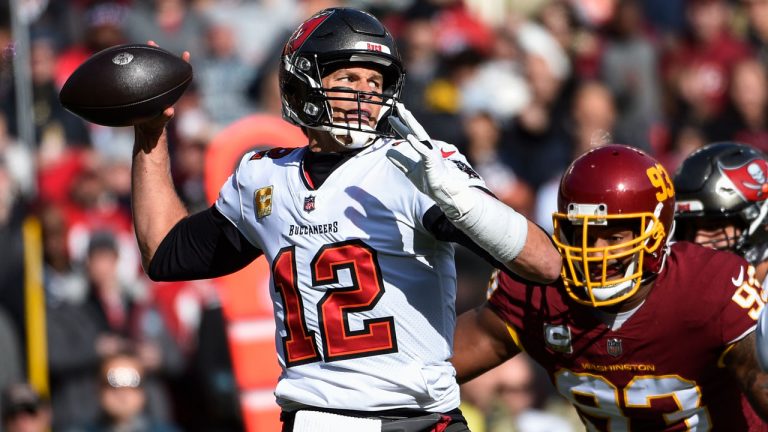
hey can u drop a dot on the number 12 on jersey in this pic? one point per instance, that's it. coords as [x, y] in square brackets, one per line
[339, 341]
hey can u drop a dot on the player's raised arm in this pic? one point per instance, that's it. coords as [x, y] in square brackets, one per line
[742, 362]
[155, 204]
[506, 234]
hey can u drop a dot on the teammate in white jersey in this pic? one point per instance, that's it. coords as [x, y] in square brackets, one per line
[363, 279]
[722, 203]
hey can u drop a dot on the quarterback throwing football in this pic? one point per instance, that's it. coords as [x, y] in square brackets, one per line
[362, 276]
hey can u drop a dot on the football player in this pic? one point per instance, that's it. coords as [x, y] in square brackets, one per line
[638, 333]
[722, 203]
[362, 274]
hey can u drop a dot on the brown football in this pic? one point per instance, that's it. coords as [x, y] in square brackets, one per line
[125, 84]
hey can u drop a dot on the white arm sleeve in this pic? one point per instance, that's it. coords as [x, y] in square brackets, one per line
[493, 225]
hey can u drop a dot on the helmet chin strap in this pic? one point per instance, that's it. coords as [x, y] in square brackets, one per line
[609, 291]
[355, 137]
[351, 138]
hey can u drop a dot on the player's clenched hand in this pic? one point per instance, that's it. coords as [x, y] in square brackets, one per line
[430, 173]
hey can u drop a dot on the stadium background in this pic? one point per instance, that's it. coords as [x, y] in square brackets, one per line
[522, 87]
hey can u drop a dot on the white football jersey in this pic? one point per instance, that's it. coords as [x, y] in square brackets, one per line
[363, 294]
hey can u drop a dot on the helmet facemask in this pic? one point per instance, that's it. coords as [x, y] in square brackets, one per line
[721, 185]
[722, 233]
[742, 229]
[605, 275]
[316, 111]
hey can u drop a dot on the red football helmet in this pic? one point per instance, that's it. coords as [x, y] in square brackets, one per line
[612, 184]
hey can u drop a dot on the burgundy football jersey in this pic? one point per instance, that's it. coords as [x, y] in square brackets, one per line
[661, 370]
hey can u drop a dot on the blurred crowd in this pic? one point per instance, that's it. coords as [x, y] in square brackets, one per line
[521, 87]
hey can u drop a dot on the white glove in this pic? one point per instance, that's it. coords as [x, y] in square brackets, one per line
[491, 224]
[431, 175]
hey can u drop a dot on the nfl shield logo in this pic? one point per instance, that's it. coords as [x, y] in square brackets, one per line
[614, 347]
[309, 203]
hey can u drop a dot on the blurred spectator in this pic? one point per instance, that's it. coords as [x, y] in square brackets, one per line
[745, 118]
[55, 128]
[18, 160]
[257, 27]
[498, 87]
[757, 13]
[12, 306]
[189, 136]
[93, 207]
[110, 320]
[24, 410]
[459, 30]
[61, 279]
[697, 72]
[420, 56]
[685, 139]
[570, 27]
[172, 24]
[494, 12]
[12, 267]
[215, 394]
[513, 399]
[630, 70]
[523, 406]
[593, 118]
[535, 143]
[123, 399]
[442, 97]
[102, 25]
[668, 16]
[222, 77]
[560, 19]
[595, 12]
[189, 167]
[11, 362]
[6, 57]
[483, 141]
[477, 398]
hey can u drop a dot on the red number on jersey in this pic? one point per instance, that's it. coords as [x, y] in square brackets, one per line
[339, 341]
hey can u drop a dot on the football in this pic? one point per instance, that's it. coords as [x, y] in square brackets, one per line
[125, 84]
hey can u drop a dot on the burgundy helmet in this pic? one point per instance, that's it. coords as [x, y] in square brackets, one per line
[609, 186]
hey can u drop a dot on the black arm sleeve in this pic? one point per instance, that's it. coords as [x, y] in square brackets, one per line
[201, 246]
[438, 224]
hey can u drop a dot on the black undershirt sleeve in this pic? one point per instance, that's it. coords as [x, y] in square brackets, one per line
[438, 224]
[201, 246]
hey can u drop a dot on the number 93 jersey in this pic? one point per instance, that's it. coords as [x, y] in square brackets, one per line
[363, 294]
[662, 370]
